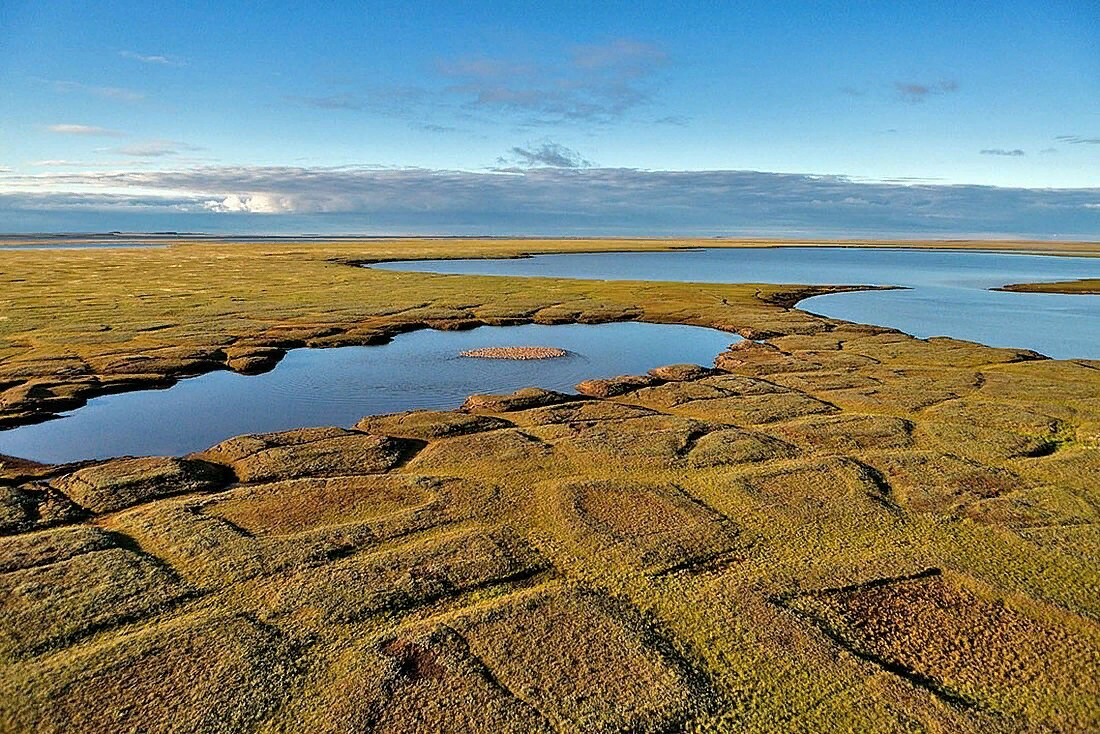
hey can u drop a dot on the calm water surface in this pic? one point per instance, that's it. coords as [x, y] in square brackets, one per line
[326, 387]
[949, 295]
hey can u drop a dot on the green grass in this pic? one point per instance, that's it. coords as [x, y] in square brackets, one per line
[750, 549]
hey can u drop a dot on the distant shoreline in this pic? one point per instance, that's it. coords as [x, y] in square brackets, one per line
[547, 245]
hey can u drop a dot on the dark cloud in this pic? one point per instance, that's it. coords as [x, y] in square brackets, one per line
[918, 91]
[1077, 140]
[1001, 151]
[549, 154]
[562, 200]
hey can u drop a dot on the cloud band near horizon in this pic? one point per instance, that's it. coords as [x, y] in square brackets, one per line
[588, 199]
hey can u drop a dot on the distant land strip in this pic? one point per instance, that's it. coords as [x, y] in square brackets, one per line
[1082, 287]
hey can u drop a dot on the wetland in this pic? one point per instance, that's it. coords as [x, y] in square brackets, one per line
[829, 524]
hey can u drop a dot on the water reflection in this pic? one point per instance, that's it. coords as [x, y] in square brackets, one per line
[326, 387]
[949, 295]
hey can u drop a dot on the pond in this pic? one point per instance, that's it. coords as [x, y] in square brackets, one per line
[326, 387]
[949, 293]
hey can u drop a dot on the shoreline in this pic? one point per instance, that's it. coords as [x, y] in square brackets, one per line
[1080, 287]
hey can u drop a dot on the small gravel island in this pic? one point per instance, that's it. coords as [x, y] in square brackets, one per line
[515, 353]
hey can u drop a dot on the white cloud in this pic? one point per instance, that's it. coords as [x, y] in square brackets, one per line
[67, 163]
[154, 149]
[250, 204]
[121, 94]
[160, 59]
[87, 130]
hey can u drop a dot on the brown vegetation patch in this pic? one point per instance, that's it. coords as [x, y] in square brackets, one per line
[419, 681]
[819, 491]
[656, 437]
[588, 663]
[653, 527]
[717, 387]
[528, 397]
[51, 546]
[49, 606]
[931, 482]
[981, 442]
[902, 349]
[581, 411]
[123, 483]
[682, 372]
[849, 433]
[410, 576]
[735, 446]
[253, 360]
[310, 453]
[220, 673]
[1042, 506]
[613, 386]
[15, 470]
[758, 358]
[299, 523]
[241, 447]
[493, 448]
[906, 390]
[758, 409]
[813, 382]
[33, 507]
[1082, 286]
[212, 553]
[1005, 416]
[303, 504]
[430, 424]
[730, 399]
[432, 682]
[965, 646]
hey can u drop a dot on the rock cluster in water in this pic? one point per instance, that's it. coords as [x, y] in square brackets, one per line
[515, 353]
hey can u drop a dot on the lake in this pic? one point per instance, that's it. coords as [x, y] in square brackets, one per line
[949, 293]
[326, 387]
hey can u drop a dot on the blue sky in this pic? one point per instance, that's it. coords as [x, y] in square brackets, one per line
[513, 118]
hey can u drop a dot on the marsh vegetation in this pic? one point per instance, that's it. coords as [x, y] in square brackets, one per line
[834, 526]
